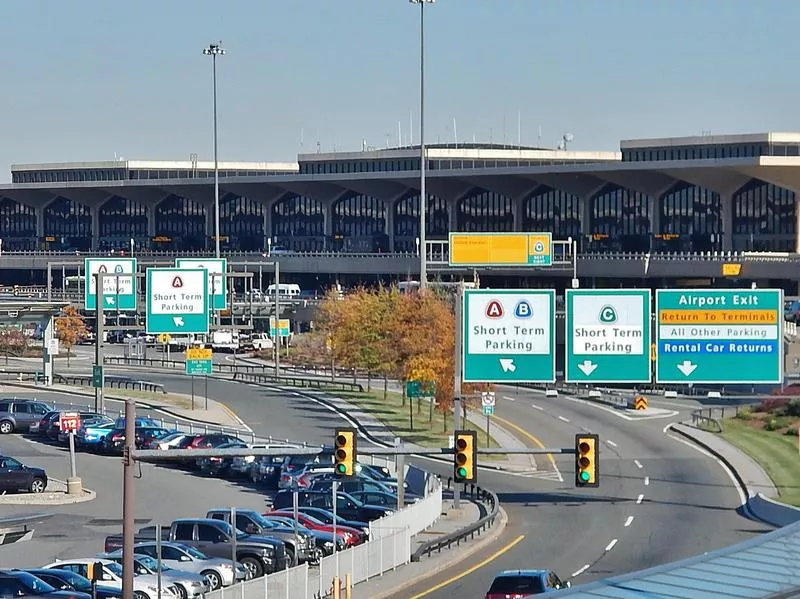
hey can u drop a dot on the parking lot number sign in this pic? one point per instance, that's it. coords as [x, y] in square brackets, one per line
[217, 281]
[69, 422]
[119, 293]
[719, 336]
[509, 336]
[607, 336]
[177, 301]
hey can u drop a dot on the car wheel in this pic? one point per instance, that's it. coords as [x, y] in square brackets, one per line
[253, 567]
[140, 595]
[213, 578]
[37, 485]
[290, 556]
[6, 427]
[182, 593]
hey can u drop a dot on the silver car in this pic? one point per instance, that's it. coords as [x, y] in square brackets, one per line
[218, 571]
[189, 585]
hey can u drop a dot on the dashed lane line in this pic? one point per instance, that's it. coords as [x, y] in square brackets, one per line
[611, 443]
[580, 571]
[638, 464]
[646, 481]
[639, 499]
[562, 419]
[610, 546]
[509, 398]
[628, 521]
[535, 407]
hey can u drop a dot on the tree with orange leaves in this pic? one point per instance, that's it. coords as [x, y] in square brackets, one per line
[70, 328]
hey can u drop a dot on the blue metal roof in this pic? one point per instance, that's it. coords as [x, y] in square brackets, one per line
[766, 567]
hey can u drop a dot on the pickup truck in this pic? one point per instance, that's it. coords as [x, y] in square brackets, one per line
[258, 554]
[299, 549]
[261, 341]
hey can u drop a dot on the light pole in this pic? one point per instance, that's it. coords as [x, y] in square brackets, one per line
[213, 51]
[423, 204]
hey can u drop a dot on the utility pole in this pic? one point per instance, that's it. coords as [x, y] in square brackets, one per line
[128, 494]
[213, 51]
[99, 397]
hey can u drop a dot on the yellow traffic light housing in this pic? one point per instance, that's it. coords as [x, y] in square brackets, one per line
[587, 463]
[344, 453]
[466, 459]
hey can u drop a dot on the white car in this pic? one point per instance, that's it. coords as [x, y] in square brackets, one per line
[218, 571]
[145, 586]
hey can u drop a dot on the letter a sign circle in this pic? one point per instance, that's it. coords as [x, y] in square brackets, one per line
[494, 309]
[102, 268]
[177, 282]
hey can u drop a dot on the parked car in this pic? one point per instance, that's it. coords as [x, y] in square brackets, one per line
[16, 476]
[171, 441]
[64, 580]
[18, 583]
[85, 419]
[218, 571]
[219, 465]
[40, 427]
[347, 534]
[144, 586]
[189, 585]
[92, 437]
[346, 505]
[524, 583]
[327, 517]
[17, 414]
[324, 541]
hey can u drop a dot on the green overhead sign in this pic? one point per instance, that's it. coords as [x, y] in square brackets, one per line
[119, 292]
[177, 301]
[719, 336]
[509, 336]
[607, 336]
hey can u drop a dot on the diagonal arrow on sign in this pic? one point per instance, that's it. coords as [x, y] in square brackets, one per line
[587, 367]
[110, 300]
[178, 320]
[507, 364]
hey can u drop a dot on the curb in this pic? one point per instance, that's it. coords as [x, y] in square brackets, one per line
[746, 507]
[41, 498]
[482, 542]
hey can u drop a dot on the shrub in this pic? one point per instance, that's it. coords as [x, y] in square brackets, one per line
[772, 404]
[793, 409]
[772, 425]
[744, 414]
[791, 432]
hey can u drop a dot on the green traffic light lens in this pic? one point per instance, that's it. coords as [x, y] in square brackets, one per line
[585, 477]
[341, 468]
[462, 472]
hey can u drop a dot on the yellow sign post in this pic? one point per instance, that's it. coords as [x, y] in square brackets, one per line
[501, 249]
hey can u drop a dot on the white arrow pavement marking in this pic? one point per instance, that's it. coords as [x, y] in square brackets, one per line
[687, 367]
[507, 364]
[110, 301]
[178, 320]
[587, 367]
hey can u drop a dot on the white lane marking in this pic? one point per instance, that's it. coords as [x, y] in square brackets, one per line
[666, 428]
[611, 443]
[617, 413]
[580, 571]
[509, 398]
[610, 546]
[639, 499]
[739, 490]
[628, 521]
[562, 419]
[646, 481]
[535, 407]
[638, 464]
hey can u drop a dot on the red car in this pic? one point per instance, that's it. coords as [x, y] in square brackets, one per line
[351, 536]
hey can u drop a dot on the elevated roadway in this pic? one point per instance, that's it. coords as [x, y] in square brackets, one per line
[652, 265]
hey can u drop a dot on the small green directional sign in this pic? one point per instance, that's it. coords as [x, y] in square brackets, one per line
[719, 336]
[119, 292]
[607, 336]
[217, 280]
[509, 336]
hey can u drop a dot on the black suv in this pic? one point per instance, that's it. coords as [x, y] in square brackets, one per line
[347, 506]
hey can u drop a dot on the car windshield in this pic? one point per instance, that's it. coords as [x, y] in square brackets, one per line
[517, 585]
[262, 521]
[150, 563]
[172, 437]
[78, 582]
[37, 585]
[114, 568]
[194, 552]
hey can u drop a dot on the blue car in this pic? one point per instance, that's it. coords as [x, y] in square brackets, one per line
[524, 583]
[92, 437]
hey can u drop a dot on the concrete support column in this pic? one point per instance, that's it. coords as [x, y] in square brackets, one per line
[327, 211]
[40, 223]
[151, 222]
[209, 242]
[726, 216]
[388, 224]
[586, 215]
[94, 211]
[519, 212]
[267, 224]
[655, 215]
[452, 212]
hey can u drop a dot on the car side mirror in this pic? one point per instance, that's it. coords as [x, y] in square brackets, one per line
[185, 558]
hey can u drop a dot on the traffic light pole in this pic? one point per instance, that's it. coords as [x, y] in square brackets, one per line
[457, 374]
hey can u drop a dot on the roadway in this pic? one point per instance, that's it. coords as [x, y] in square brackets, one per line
[660, 500]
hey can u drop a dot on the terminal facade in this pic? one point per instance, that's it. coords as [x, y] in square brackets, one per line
[691, 194]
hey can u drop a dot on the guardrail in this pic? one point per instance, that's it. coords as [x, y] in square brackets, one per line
[118, 382]
[445, 541]
[244, 372]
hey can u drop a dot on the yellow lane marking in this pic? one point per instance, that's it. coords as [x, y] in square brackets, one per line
[522, 431]
[469, 571]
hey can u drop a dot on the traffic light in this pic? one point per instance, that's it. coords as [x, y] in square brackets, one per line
[587, 463]
[345, 451]
[466, 460]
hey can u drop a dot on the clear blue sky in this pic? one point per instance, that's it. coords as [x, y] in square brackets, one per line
[87, 78]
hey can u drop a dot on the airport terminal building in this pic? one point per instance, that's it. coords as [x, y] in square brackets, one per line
[688, 194]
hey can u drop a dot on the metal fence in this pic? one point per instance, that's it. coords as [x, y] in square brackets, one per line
[415, 518]
[286, 584]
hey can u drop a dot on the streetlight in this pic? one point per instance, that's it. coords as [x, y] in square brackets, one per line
[213, 51]
[423, 254]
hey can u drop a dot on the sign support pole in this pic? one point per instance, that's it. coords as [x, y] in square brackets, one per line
[206, 393]
[192, 377]
[99, 399]
[277, 339]
[458, 374]
[73, 469]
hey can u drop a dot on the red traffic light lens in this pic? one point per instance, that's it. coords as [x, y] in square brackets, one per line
[341, 440]
[584, 447]
[461, 444]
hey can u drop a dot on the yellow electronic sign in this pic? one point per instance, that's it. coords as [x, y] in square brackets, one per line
[501, 249]
[199, 353]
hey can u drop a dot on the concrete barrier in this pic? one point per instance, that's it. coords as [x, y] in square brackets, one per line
[773, 512]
